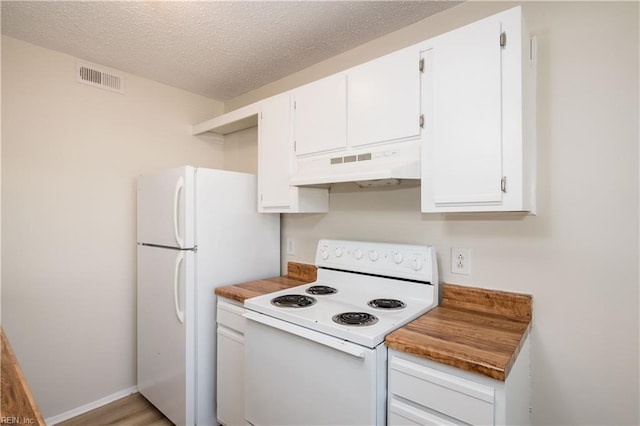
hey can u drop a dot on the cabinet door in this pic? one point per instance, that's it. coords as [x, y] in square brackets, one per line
[230, 362]
[320, 115]
[466, 145]
[230, 380]
[274, 152]
[384, 98]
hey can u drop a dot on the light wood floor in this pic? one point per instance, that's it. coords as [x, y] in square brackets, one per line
[131, 410]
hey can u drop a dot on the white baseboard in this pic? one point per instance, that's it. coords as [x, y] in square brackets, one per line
[50, 421]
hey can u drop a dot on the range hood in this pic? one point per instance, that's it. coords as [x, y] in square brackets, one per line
[389, 164]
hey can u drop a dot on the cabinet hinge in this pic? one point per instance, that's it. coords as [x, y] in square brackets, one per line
[295, 146]
[294, 104]
[503, 184]
[503, 39]
[421, 65]
[421, 121]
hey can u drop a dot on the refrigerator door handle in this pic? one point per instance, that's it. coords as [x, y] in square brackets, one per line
[176, 205]
[176, 281]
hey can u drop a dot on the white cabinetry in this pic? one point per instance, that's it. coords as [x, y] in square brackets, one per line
[230, 362]
[456, 111]
[320, 115]
[274, 147]
[478, 98]
[384, 98]
[424, 392]
[372, 103]
[363, 124]
[276, 162]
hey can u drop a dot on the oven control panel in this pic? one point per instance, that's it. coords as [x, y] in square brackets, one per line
[414, 262]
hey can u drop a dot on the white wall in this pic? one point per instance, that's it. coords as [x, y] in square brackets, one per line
[241, 151]
[70, 157]
[579, 256]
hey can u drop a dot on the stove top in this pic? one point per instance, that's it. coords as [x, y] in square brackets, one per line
[386, 304]
[293, 301]
[355, 319]
[351, 304]
[321, 289]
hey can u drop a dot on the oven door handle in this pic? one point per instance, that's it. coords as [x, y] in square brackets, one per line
[332, 342]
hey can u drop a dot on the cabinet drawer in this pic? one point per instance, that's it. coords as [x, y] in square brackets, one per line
[401, 414]
[396, 419]
[453, 396]
[230, 316]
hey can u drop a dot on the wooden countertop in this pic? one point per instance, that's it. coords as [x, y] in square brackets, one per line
[17, 403]
[472, 329]
[297, 274]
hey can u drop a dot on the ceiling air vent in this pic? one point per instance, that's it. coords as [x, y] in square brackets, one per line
[95, 76]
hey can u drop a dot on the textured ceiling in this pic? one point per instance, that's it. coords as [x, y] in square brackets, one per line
[219, 49]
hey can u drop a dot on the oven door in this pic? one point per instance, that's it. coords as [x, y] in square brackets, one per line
[296, 376]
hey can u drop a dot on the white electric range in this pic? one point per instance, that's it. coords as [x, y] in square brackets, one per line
[314, 354]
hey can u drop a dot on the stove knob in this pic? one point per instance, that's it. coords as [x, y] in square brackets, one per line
[357, 253]
[397, 257]
[324, 254]
[373, 255]
[338, 252]
[416, 264]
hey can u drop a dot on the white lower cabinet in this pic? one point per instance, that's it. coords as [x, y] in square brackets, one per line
[230, 363]
[424, 392]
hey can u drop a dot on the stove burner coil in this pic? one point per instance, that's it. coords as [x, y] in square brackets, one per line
[321, 289]
[293, 301]
[386, 304]
[355, 318]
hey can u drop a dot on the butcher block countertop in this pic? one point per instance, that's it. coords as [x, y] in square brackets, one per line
[297, 274]
[18, 405]
[473, 329]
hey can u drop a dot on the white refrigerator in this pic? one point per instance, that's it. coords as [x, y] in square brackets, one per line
[198, 229]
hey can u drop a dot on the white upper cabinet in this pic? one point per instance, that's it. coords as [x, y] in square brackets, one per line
[384, 98]
[478, 98]
[276, 163]
[320, 116]
[467, 116]
[361, 125]
[274, 150]
[456, 111]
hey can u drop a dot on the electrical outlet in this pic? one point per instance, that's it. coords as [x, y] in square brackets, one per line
[460, 261]
[291, 246]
